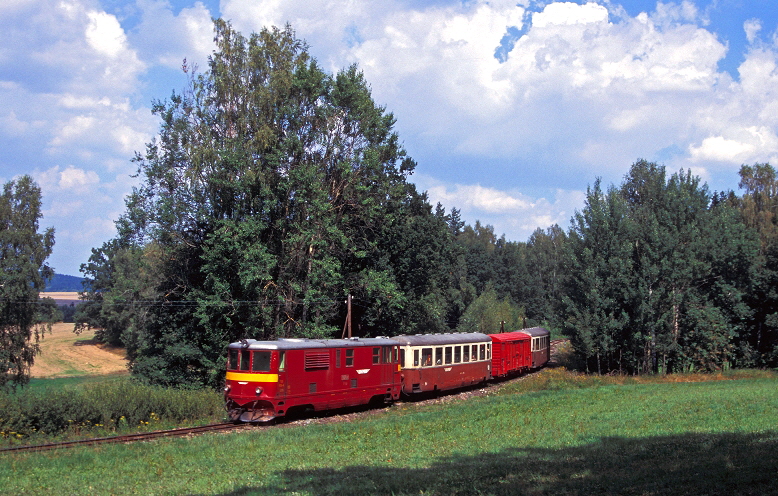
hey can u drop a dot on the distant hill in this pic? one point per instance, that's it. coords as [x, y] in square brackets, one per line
[61, 282]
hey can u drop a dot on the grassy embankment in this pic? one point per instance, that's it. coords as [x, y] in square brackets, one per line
[553, 433]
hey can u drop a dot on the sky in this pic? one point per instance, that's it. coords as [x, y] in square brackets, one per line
[510, 108]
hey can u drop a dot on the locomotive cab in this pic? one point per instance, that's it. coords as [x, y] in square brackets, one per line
[252, 381]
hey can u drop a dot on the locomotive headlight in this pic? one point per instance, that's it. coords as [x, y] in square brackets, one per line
[258, 391]
[226, 389]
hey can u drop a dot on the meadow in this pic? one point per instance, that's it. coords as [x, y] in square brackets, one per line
[555, 432]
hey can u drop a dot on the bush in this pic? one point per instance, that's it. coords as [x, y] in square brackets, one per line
[110, 405]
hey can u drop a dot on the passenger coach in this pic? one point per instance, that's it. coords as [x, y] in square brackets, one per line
[540, 346]
[267, 379]
[436, 362]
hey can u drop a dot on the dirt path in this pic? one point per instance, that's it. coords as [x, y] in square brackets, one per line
[65, 354]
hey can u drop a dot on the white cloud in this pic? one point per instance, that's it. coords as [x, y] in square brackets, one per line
[511, 213]
[752, 28]
[477, 197]
[104, 34]
[721, 150]
[568, 13]
[168, 39]
[69, 180]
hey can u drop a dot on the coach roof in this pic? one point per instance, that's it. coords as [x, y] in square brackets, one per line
[442, 339]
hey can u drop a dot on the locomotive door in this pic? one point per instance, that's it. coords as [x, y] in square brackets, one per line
[390, 373]
[386, 369]
[282, 386]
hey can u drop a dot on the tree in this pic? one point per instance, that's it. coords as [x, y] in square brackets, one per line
[272, 192]
[488, 314]
[23, 271]
[599, 265]
[545, 275]
[657, 276]
[759, 208]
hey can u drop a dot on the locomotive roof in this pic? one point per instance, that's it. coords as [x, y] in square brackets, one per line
[304, 343]
[435, 339]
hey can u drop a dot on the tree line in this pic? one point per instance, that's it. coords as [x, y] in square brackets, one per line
[274, 190]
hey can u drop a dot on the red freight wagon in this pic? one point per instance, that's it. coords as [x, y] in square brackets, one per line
[266, 379]
[436, 362]
[510, 353]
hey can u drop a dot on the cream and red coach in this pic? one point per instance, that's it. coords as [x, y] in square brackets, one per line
[266, 379]
[540, 346]
[437, 362]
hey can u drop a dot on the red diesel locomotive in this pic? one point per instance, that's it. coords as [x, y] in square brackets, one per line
[268, 379]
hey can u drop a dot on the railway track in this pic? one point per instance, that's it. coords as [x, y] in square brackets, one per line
[128, 438]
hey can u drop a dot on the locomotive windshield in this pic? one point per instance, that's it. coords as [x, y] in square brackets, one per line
[238, 360]
[241, 359]
[261, 361]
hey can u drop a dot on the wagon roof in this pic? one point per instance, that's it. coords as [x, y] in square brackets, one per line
[304, 343]
[434, 339]
[510, 336]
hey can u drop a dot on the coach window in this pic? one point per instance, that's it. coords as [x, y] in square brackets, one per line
[233, 360]
[439, 356]
[416, 357]
[261, 361]
[488, 351]
[245, 356]
[426, 357]
[466, 353]
[448, 355]
[475, 352]
[457, 354]
[376, 355]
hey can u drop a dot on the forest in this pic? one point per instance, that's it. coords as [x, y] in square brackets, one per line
[275, 190]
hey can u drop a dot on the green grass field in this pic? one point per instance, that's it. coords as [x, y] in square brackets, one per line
[554, 433]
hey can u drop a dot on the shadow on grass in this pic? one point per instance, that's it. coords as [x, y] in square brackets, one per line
[731, 464]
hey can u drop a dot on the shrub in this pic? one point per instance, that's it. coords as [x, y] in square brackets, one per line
[107, 405]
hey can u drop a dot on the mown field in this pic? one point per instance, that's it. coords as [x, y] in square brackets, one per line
[66, 354]
[552, 433]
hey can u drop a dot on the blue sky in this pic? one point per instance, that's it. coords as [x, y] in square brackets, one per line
[511, 108]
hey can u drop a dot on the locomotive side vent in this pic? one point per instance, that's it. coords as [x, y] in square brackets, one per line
[317, 360]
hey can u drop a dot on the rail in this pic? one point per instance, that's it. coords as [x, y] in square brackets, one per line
[127, 438]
